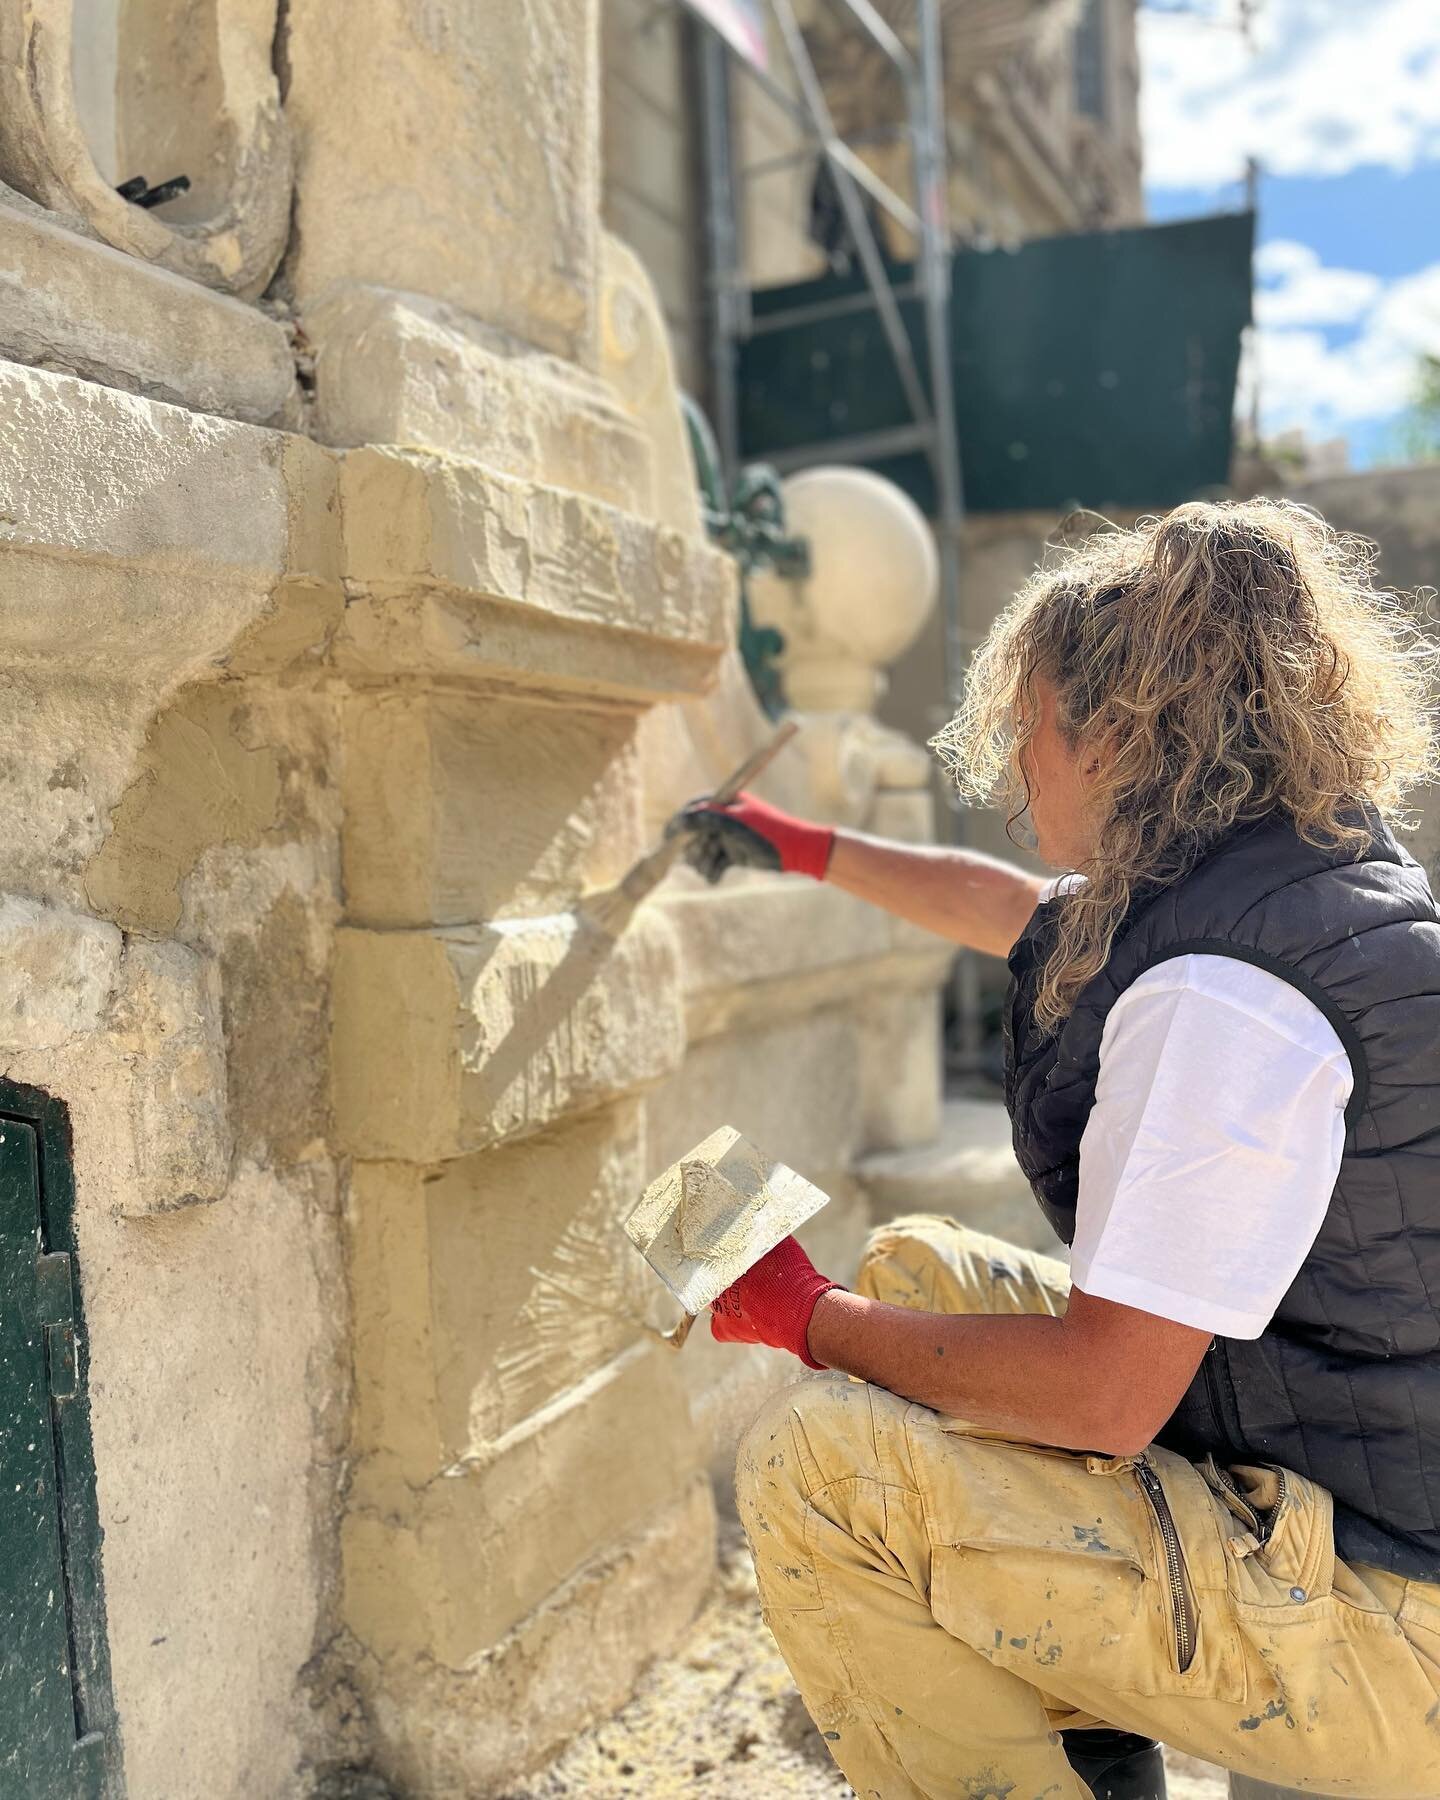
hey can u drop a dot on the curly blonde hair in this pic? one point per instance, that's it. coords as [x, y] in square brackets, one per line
[1227, 660]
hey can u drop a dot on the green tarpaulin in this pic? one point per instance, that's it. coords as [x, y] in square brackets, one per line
[1097, 369]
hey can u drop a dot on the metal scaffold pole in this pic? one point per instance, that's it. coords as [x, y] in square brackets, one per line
[928, 113]
[722, 247]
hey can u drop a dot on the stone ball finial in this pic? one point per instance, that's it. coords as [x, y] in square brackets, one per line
[874, 575]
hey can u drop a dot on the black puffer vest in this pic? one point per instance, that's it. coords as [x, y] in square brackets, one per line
[1344, 1385]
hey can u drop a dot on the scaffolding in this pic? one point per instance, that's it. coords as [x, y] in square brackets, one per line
[931, 404]
[931, 428]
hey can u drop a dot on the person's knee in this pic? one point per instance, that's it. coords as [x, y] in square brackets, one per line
[802, 1437]
[900, 1258]
[767, 1446]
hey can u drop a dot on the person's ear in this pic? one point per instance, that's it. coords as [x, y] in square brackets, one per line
[1092, 758]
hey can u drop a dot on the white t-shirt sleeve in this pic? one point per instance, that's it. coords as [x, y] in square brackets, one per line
[1213, 1146]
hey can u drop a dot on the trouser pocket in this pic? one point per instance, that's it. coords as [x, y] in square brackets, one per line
[1080, 1572]
[1283, 1555]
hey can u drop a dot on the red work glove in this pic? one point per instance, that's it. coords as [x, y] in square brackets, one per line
[750, 834]
[772, 1303]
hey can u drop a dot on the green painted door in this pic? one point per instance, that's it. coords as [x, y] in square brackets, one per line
[56, 1733]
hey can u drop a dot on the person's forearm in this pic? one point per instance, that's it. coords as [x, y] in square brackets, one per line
[971, 899]
[1030, 1377]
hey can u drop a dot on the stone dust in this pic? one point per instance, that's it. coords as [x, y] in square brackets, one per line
[720, 1720]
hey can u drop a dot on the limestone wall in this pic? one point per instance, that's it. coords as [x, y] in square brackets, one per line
[358, 626]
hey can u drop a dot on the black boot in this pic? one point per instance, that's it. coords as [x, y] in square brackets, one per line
[1116, 1765]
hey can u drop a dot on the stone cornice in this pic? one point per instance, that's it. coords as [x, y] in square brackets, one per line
[455, 572]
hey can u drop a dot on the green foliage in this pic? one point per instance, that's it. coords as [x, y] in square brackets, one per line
[1417, 432]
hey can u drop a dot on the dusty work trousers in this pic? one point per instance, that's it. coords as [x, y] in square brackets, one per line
[948, 1601]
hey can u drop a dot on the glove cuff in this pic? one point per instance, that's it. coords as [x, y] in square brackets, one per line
[809, 850]
[808, 1313]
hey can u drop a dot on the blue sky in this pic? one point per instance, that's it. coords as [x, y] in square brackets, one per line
[1339, 101]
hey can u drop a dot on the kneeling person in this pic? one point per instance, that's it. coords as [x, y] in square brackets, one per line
[1188, 1489]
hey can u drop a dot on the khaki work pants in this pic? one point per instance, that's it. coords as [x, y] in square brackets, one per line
[948, 1601]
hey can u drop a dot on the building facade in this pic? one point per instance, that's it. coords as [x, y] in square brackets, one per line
[1042, 136]
[359, 628]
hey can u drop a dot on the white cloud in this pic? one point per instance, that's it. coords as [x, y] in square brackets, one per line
[1295, 288]
[1328, 86]
[1321, 387]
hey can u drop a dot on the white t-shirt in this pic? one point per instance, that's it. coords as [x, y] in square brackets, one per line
[1211, 1153]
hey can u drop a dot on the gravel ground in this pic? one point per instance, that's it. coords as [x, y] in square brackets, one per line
[720, 1718]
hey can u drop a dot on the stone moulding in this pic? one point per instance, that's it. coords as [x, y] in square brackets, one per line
[397, 368]
[456, 572]
[776, 949]
[75, 306]
[44, 151]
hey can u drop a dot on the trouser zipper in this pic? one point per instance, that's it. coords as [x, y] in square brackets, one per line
[1232, 1488]
[1181, 1609]
[1262, 1528]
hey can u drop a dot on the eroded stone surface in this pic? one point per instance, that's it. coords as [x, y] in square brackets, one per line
[166, 1027]
[81, 308]
[428, 775]
[76, 103]
[58, 971]
[493, 1032]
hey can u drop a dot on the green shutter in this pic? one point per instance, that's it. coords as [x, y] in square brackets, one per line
[58, 1739]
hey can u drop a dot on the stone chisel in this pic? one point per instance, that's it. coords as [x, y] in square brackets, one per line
[611, 911]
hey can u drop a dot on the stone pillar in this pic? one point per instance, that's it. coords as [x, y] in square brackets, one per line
[525, 579]
[490, 1055]
[448, 256]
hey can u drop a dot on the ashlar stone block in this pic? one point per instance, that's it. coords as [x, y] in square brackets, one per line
[532, 1285]
[458, 573]
[459, 808]
[575, 1657]
[82, 308]
[448, 1041]
[403, 369]
[521, 1519]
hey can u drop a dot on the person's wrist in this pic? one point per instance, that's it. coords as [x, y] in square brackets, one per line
[821, 1310]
